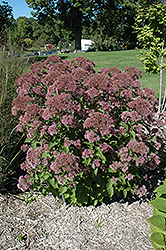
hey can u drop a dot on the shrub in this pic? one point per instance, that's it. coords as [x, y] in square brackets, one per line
[89, 135]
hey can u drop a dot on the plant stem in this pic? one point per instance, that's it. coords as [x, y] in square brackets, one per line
[161, 75]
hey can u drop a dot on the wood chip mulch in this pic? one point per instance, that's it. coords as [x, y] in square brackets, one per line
[51, 224]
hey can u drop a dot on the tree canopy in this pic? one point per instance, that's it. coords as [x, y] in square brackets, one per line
[6, 17]
[73, 13]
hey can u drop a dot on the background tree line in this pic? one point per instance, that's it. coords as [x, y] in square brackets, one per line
[108, 23]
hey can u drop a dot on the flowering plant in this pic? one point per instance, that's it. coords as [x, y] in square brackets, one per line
[89, 135]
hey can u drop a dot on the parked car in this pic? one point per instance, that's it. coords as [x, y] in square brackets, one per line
[49, 52]
[34, 53]
[44, 53]
[53, 51]
[27, 55]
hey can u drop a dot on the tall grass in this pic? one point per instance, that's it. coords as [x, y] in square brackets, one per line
[11, 67]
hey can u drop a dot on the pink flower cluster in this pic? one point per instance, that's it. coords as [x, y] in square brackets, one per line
[65, 163]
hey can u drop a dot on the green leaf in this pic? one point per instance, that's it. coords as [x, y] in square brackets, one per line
[159, 203]
[27, 140]
[161, 189]
[110, 188]
[133, 134]
[62, 190]
[66, 149]
[157, 212]
[158, 221]
[158, 238]
[124, 193]
[157, 247]
[96, 171]
[95, 202]
[100, 154]
[53, 183]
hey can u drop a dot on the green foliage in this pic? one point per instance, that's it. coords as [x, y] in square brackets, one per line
[11, 156]
[11, 140]
[158, 220]
[150, 28]
[11, 67]
[6, 16]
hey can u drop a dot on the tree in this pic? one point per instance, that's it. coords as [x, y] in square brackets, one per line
[6, 18]
[74, 14]
[112, 26]
[150, 27]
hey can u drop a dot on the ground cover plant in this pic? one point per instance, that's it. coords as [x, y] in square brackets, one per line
[89, 135]
[158, 220]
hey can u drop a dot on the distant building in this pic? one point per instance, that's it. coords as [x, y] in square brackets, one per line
[85, 44]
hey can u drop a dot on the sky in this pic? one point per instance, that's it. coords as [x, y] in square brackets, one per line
[20, 8]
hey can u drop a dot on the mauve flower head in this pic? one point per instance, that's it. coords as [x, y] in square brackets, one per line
[91, 136]
[110, 71]
[36, 67]
[65, 83]
[129, 176]
[141, 191]
[98, 121]
[113, 179]
[122, 80]
[135, 116]
[20, 128]
[79, 74]
[96, 163]
[43, 130]
[100, 82]
[133, 72]
[138, 147]
[82, 62]
[21, 102]
[38, 90]
[30, 133]
[45, 114]
[33, 156]
[86, 153]
[69, 120]
[24, 147]
[53, 59]
[92, 92]
[140, 160]
[35, 124]
[22, 184]
[141, 106]
[52, 129]
[59, 103]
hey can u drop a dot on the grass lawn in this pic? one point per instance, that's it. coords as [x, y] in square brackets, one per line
[121, 59]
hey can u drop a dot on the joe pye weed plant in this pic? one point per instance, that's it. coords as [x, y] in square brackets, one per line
[89, 135]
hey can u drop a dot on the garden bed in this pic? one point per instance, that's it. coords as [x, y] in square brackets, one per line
[50, 224]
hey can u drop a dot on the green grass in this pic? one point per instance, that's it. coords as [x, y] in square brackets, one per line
[121, 59]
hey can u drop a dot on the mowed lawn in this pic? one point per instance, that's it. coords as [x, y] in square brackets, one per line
[121, 59]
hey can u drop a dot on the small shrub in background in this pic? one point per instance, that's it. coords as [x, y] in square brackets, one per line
[89, 135]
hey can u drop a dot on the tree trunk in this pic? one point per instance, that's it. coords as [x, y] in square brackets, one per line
[78, 34]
